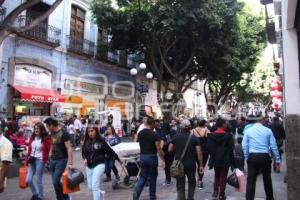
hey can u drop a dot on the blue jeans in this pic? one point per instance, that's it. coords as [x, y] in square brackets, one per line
[94, 176]
[149, 164]
[57, 168]
[37, 167]
[110, 165]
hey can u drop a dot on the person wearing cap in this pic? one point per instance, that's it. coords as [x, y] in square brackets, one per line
[6, 150]
[257, 142]
[193, 152]
[220, 146]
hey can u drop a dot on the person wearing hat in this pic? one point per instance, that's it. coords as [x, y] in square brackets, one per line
[189, 159]
[257, 142]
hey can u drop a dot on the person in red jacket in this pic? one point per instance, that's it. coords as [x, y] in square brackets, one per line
[38, 154]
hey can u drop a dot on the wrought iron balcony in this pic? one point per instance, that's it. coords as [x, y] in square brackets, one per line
[80, 46]
[2, 14]
[43, 32]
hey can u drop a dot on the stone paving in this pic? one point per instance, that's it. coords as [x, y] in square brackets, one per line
[13, 192]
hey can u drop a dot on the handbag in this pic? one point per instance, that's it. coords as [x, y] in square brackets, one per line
[233, 181]
[75, 177]
[177, 167]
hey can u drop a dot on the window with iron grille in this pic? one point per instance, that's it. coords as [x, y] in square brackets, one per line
[40, 31]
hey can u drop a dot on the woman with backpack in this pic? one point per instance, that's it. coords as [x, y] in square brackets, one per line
[38, 154]
[201, 132]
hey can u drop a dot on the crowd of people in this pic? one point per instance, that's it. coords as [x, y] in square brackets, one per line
[220, 145]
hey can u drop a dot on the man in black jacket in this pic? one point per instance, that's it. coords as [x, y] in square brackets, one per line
[220, 146]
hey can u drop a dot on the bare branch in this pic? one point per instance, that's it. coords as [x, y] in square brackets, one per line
[11, 17]
[40, 19]
[188, 63]
[1, 2]
[166, 64]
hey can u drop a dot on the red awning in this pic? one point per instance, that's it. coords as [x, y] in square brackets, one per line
[39, 94]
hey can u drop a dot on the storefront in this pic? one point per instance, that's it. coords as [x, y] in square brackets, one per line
[122, 97]
[83, 96]
[32, 92]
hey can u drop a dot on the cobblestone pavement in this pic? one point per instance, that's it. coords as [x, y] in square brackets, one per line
[13, 192]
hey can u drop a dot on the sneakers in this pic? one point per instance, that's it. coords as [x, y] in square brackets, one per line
[200, 185]
[222, 197]
[215, 196]
[167, 183]
[77, 149]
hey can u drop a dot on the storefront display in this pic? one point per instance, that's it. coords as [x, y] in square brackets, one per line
[33, 94]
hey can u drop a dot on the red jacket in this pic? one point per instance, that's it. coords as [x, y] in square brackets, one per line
[46, 145]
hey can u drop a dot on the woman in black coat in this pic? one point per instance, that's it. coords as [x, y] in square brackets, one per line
[220, 145]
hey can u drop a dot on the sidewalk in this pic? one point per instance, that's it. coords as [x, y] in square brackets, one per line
[13, 192]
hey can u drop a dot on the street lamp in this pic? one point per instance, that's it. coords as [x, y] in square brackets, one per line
[141, 85]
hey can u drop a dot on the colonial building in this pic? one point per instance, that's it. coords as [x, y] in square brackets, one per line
[58, 68]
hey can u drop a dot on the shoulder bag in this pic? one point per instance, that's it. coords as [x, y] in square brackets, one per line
[177, 167]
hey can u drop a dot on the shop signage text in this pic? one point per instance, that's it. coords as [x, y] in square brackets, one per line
[32, 76]
[76, 85]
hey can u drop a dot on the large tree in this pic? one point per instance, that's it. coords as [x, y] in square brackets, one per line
[7, 25]
[239, 46]
[186, 40]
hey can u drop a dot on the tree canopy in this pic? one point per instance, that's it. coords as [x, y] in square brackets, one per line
[185, 40]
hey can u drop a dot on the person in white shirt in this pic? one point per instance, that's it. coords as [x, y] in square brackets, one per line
[141, 127]
[78, 128]
[72, 131]
[6, 150]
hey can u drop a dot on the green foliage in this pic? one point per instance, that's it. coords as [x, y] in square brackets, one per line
[185, 40]
[256, 86]
[239, 46]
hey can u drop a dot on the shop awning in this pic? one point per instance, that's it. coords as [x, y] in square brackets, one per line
[39, 94]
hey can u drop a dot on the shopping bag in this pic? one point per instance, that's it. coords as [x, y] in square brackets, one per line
[22, 177]
[242, 181]
[65, 183]
[232, 180]
[75, 177]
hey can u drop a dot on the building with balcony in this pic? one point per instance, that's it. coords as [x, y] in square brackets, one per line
[61, 56]
[290, 22]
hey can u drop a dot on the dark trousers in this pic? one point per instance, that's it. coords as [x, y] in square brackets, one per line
[220, 179]
[259, 162]
[110, 165]
[57, 168]
[180, 183]
[149, 164]
[168, 162]
[205, 159]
